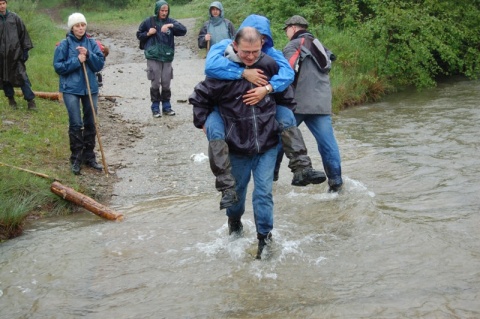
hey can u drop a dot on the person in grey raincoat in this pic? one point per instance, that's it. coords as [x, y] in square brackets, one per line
[311, 62]
[14, 46]
[217, 28]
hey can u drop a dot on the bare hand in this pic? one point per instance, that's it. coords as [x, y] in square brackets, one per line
[254, 96]
[166, 27]
[82, 58]
[82, 50]
[255, 76]
[208, 37]
[151, 31]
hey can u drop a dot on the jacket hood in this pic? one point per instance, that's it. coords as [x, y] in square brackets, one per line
[262, 24]
[216, 4]
[158, 5]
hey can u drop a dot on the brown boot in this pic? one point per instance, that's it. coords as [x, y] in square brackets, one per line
[12, 102]
[31, 105]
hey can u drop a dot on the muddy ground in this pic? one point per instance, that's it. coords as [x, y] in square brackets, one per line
[124, 115]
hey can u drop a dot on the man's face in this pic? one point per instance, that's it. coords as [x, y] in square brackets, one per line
[163, 12]
[248, 52]
[3, 7]
[215, 12]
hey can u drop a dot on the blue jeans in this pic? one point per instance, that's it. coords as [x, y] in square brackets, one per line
[321, 127]
[261, 167]
[26, 90]
[215, 127]
[72, 102]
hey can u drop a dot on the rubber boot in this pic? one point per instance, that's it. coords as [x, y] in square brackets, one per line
[89, 157]
[235, 226]
[300, 163]
[221, 168]
[263, 240]
[155, 99]
[12, 102]
[31, 105]
[76, 149]
[166, 105]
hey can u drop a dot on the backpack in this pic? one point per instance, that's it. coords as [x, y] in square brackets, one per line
[142, 43]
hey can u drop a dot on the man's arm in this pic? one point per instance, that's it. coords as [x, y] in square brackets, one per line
[285, 75]
[217, 66]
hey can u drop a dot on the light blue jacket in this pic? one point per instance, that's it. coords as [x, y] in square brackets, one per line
[217, 66]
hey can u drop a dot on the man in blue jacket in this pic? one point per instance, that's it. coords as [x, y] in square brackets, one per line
[159, 32]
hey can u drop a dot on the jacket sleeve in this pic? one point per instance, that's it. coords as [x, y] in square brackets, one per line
[178, 28]
[202, 102]
[231, 29]
[285, 75]
[96, 59]
[202, 44]
[143, 29]
[217, 66]
[62, 62]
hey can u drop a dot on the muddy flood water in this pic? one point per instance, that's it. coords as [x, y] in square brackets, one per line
[401, 241]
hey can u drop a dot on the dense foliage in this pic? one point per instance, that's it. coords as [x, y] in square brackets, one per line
[410, 42]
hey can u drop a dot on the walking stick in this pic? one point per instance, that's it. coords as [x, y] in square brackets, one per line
[95, 119]
[208, 46]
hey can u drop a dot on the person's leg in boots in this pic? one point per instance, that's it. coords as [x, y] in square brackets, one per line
[76, 150]
[219, 164]
[322, 129]
[262, 197]
[154, 75]
[75, 133]
[28, 94]
[10, 94]
[296, 151]
[89, 132]
[166, 78]
[241, 170]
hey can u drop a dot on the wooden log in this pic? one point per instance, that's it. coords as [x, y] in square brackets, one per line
[85, 202]
[58, 96]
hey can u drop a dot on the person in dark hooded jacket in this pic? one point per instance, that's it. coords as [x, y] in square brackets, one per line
[217, 28]
[14, 47]
[218, 66]
[72, 55]
[159, 32]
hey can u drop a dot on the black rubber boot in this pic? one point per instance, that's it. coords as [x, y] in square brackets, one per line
[235, 226]
[278, 163]
[76, 149]
[263, 240]
[89, 157]
[12, 102]
[221, 168]
[300, 163]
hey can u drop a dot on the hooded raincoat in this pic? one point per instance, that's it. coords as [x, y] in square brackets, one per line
[219, 28]
[14, 45]
[218, 67]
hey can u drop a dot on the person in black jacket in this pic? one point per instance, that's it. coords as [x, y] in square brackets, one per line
[253, 132]
[15, 44]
